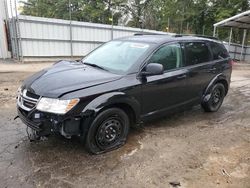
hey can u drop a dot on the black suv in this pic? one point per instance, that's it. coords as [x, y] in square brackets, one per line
[123, 83]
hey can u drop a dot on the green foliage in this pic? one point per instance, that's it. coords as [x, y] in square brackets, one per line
[96, 11]
[179, 16]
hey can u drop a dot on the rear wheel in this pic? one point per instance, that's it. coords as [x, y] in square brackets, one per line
[108, 131]
[216, 99]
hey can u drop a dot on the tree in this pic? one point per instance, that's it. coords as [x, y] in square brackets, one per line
[97, 11]
[178, 16]
[136, 9]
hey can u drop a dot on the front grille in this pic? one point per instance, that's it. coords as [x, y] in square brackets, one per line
[32, 95]
[27, 100]
[28, 104]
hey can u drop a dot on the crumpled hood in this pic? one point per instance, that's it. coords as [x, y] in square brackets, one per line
[65, 77]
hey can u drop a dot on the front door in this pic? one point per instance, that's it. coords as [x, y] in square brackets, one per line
[162, 92]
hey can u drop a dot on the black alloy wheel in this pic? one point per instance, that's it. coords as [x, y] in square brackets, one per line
[216, 99]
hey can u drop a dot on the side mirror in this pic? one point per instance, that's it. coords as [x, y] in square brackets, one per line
[153, 69]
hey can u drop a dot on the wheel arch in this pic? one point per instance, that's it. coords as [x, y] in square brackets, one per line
[114, 100]
[220, 78]
[126, 108]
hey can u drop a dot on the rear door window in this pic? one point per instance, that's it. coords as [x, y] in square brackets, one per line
[196, 53]
[219, 51]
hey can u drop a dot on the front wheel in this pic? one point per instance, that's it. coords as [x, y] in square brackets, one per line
[108, 131]
[216, 99]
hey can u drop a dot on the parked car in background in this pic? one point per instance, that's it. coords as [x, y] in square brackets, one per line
[123, 83]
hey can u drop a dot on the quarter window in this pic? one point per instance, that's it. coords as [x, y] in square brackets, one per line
[196, 52]
[219, 51]
[170, 56]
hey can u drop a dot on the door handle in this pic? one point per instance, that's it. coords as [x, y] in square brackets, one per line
[212, 69]
[181, 77]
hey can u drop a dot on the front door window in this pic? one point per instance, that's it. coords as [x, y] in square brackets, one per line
[170, 56]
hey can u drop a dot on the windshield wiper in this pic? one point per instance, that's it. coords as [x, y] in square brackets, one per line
[94, 65]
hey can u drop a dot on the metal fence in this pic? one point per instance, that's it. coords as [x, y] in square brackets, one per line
[237, 52]
[37, 39]
[33, 38]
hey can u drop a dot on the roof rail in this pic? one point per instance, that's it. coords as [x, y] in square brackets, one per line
[194, 35]
[147, 33]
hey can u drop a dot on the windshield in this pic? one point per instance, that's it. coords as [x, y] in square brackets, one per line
[116, 56]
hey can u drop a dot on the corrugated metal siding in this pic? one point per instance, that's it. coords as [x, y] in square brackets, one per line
[235, 51]
[46, 37]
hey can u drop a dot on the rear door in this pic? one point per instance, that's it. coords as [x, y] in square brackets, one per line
[201, 68]
[221, 57]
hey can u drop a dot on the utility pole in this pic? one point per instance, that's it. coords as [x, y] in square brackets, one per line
[70, 31]
[203, 30]
[112, 22]
[181, 31]
[19, 40]
[14, 33]
[168, 24]
[112, 19]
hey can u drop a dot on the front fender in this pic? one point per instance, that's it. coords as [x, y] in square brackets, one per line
[109, 99]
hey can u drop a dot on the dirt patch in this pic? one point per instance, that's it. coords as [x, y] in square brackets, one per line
[193, 148]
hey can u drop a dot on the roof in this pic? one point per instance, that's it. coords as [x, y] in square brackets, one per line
[153, 38]
[241, 20]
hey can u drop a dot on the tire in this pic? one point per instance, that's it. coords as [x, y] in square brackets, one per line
[108, 131]
[216, 99]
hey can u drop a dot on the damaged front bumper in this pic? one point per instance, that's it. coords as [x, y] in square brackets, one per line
[45, 124]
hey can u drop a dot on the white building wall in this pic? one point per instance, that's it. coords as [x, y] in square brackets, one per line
[3, 41]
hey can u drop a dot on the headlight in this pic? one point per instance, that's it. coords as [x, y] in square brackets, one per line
[56, 106]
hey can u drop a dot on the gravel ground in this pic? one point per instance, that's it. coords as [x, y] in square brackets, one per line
[193, 148]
